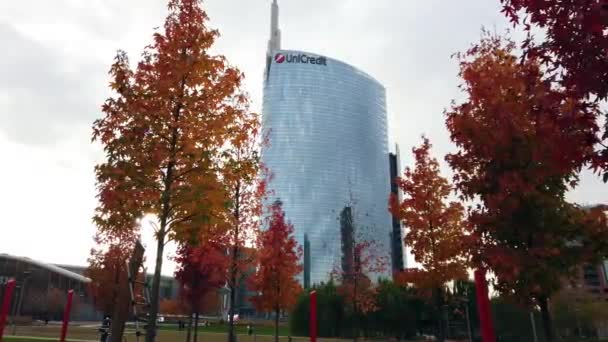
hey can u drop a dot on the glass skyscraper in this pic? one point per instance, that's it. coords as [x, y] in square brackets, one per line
[327, 129]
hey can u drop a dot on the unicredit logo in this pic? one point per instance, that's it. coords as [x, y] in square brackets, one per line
[279, 58]
[299, 58]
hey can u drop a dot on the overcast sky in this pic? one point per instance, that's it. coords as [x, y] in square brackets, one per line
[53, 79]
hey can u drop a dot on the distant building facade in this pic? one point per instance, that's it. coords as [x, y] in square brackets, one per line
[594, 278]
[42, 289]
[398, 256]
[169, 286]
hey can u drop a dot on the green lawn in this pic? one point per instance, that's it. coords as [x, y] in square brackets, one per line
[29, 339]
[170, 336]
[168, 333]
[240, 329]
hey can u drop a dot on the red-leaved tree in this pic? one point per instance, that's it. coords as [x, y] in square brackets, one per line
[107, 269]
[173, 307]
[201, 270]
[521, 144]
[361, 260]
[278, 265]
[355, 285]
[574, 47]
[436, 228]
[575, 42]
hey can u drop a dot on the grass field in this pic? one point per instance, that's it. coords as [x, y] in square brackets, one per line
[80, 334]
[165, 338]
[77, 334]
[240, 329]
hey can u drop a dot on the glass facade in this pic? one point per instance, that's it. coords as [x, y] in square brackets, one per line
[327, 128]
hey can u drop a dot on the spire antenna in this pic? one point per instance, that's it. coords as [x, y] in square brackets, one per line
[275, 33]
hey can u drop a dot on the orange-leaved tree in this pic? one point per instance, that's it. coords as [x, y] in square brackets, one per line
[245, 179]
[278, 265]
[436, 228]
[164, 130]
[201, 271]
[522, 141]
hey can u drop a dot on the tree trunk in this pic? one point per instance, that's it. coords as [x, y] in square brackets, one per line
[355, 309]
[154, 300]
[115, 290]
[441, 332]
[277, 311]
[231, 334]
[189, 333]
[164, 222]
[543, 302]
[196, 327]
[235, 256]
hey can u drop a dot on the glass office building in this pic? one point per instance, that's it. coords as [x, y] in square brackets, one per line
[327, 127]
[328, 150]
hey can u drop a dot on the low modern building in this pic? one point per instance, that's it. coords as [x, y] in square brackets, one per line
[169, 286]
[42, 289]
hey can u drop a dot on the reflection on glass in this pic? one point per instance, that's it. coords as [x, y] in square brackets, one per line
[328, 148]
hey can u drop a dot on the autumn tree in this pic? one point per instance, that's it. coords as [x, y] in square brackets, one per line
[172, 307]
[361, 260]
[355, 283]
[575, 42]
[436, 228]
[107, 264]
[278, 265]
[244, 179]
[521, 143]
[201, 271]
[573, 46]
[163, 131]
[56, 299]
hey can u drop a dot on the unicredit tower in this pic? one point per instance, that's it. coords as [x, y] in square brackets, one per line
[328, 153]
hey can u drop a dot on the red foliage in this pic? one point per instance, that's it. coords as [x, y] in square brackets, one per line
[575, 46]
[355, 284]
[56, 302]
[172, 307]
[522, 142]
[278, 265]
[201, 270]
[576, 39]
[107, 268]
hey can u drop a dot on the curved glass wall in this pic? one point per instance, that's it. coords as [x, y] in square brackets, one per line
[326, 123]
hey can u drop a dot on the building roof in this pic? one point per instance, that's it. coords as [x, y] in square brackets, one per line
[49, 267]
[81, 269]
